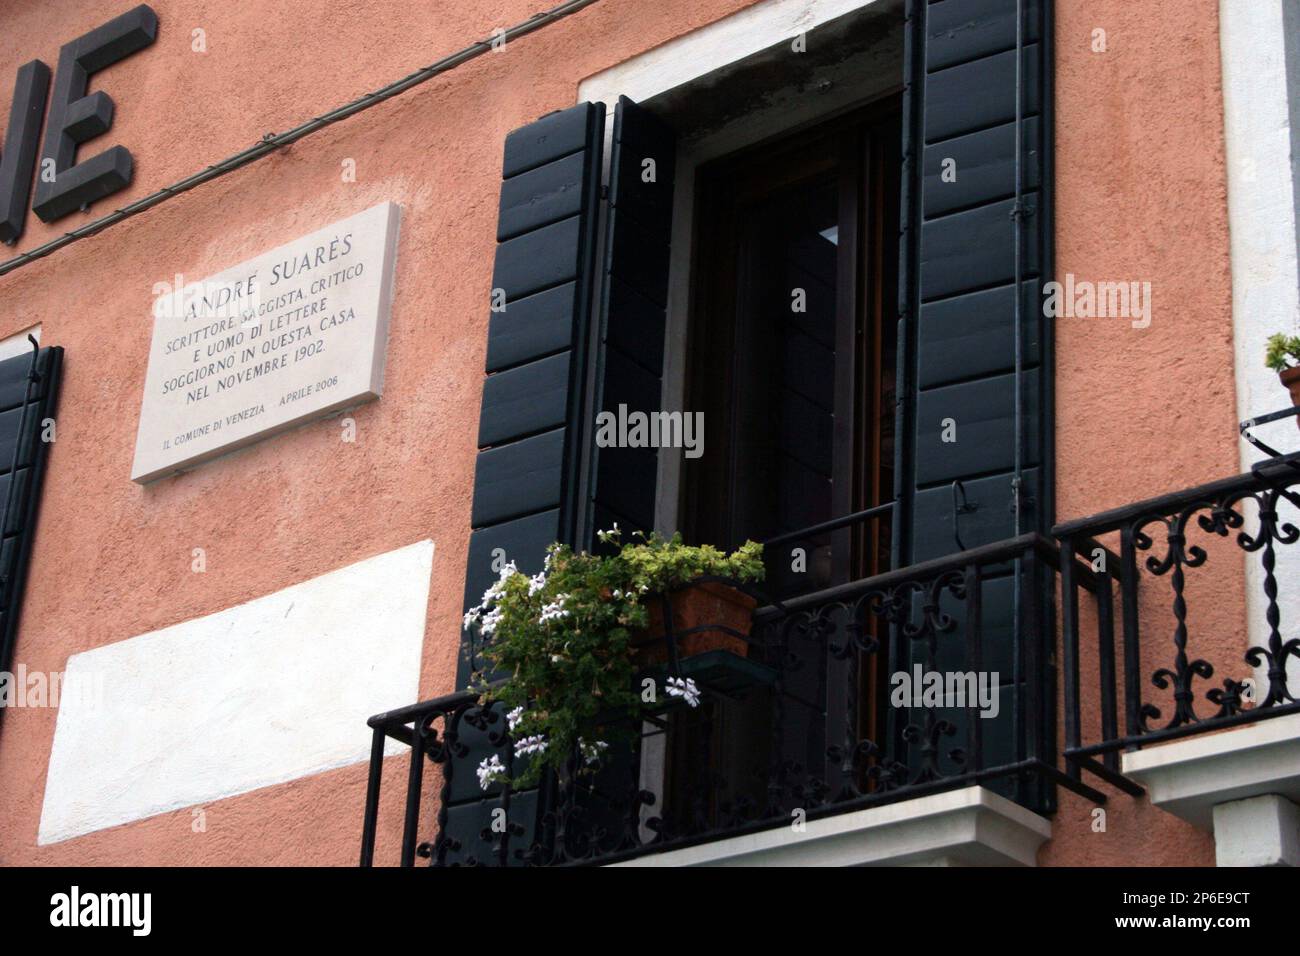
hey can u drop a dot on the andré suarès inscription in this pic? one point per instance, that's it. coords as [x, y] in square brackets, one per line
[293, 334]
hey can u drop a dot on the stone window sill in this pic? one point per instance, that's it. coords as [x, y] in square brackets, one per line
[1242, 784]
[969, 827]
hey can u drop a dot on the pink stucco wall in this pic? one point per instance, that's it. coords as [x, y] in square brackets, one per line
[1142, 194]
[112, 559]
[1140, 189]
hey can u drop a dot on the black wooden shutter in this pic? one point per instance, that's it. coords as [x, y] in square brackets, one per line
[543, 353]
[630, 357]
[28, 391]
[527, 477]
[958, 295]
[628, 361]
[529, 460]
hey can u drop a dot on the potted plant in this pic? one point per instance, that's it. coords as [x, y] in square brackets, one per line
[1284, 358]
[706, 616]
[564, 643]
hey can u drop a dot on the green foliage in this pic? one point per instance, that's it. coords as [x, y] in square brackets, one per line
[563, 638]
[1283, 352]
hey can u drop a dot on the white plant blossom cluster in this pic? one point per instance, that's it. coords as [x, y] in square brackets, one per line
[554, 611]
[532, 744]
[487, 617]
[591, 751]
[684, 688]
[491, 770]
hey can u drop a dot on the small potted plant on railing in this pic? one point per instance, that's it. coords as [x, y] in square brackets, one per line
[567, 643]
[1284, 358]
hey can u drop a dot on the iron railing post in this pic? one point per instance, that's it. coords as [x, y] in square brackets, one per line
[372, 797]
[1106, 660]
[1132, 635]
[414, 782]
[973, 586]
[1070, 651]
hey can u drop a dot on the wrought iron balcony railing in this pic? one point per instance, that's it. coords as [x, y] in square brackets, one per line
[801, 726]
[1175, 555]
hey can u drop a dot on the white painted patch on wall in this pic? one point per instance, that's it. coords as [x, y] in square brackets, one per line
[1261, 99]
[1259, 108]
[17, 343]
[258, 694]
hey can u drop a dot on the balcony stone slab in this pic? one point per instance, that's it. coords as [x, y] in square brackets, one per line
[967, 827]
[1242, 784]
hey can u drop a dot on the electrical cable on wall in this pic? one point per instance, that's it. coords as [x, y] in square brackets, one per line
[275, 141]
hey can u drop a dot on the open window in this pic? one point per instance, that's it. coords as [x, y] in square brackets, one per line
[792, 345]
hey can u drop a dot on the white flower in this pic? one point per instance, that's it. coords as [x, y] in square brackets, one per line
[607, 536]
[555, 610]
[491, 594]
[514, 716]
[536, 583]
[591, 752]
[685, 688]
[490, 621]
[508, 570]
[490, 771]
[536, 744]
[472, 616]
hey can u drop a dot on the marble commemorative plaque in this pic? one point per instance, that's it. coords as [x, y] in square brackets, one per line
[293, 334]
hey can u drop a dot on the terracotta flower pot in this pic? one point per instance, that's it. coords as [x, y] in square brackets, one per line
[1291, 379]
[698, 606]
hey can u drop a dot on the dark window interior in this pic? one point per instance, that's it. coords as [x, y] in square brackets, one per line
[792, 348]
[792, 345]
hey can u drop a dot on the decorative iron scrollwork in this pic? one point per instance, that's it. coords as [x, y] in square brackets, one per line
[1219, 516]
[802, 733]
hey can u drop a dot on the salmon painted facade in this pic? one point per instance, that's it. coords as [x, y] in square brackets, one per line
[318, 318]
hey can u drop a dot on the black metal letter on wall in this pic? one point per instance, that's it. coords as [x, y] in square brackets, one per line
[18, 158]
[63, 184]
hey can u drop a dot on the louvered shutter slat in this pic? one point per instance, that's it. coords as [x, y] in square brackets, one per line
[25, 405]
[960, 299]
[529, 461]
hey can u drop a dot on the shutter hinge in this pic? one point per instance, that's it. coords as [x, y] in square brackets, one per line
[1021, 211]
[1020, 494]
[960, 506]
